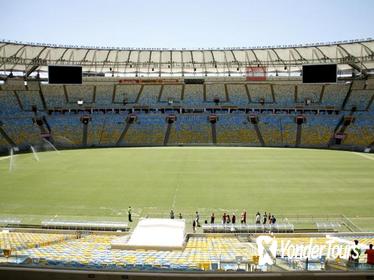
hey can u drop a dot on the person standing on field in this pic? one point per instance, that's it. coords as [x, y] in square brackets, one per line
[212, 218]
[129, 214]
[233, 218]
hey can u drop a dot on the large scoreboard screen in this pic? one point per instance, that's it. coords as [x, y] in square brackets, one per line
[64, 74]
[320, 73]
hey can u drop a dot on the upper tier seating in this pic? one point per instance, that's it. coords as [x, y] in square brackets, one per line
[214, 91]
[54, 96]
[9, 104]
[334, 94]
[284, 95]
[260, 92]
[171, 92]
[127, 93]
[237, 94]
[309, 92]
[193, 95]
[30, 98]
[360, 99]
[80, 92]
[104, 95]
[14, 84]
[150, 95]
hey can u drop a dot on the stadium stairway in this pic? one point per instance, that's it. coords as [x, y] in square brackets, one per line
[298, 134]
[6, 137]
[345, 101]
[204, 92]
[340, 128]
[43, 126]
[370, 103]
[84, 134]
[160, 94]
[322, 94]
[139, 94]
[182, 93]
[167, 133]
[227, 94]
[124, 131]
[214, 133]
[259, 135]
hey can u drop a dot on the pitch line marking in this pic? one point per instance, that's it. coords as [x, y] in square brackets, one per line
[3, 158]
[175, 197]
[365, 156]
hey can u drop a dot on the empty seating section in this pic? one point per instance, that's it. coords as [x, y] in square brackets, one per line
[14, 84]
[104, 95]
[214, 91]
[318, 130]
[284, 95]
[150, 95]
[113, 127]
[371, 108]
[359, 99]
[8, 103]
[360, 132]
[95, 129]
[191, 129]
[171, 92]
[235, 129]
[66, 130]
[54, 96]
[271, 130]
[26, 240]
[309, 92]
[193, 95]
[93, 251]
[260, 92]
[334, 95]
[237, 94]
[288, 127]
[80, 92]
[127, 93]
[4, 145]
[358, 84]
[33, 85]
[149, 129]
[16, 101]
[204, 252]
[22, 131]
[30, 98]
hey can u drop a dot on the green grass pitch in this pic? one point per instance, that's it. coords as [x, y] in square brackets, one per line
[102, 183]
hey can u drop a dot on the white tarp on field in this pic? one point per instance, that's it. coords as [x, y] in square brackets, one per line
[154, 233]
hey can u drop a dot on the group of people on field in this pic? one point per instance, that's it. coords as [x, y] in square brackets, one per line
[227, 219]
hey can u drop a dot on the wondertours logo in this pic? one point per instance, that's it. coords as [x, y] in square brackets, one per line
[269, 248]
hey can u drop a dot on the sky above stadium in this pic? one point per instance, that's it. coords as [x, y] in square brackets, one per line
[185, 24]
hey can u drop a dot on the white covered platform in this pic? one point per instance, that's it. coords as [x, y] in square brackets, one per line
[159, 234]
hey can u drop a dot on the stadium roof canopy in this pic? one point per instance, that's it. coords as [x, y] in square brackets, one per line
[30, 58]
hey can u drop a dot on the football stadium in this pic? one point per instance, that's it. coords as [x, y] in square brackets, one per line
[148, 163]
